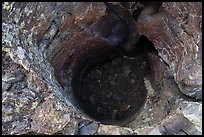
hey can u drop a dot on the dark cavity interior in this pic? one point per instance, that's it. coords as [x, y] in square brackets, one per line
[113, 92]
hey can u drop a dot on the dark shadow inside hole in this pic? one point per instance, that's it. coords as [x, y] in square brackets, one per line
[143, 46]
[113, 92]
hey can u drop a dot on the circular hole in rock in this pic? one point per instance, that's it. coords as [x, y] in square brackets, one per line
[114, 92]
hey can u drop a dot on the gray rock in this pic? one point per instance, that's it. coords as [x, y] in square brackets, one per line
[13, 78]
[71, 128]
[87, 128]
[6, 86]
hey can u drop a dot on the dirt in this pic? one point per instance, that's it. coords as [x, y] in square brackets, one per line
[115, 91]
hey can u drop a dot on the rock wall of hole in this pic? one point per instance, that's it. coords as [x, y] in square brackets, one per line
[175, 30]
[58, 36]
[32, 37]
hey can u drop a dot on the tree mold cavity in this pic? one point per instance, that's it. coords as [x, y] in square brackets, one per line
[114, 91]
[104, 82]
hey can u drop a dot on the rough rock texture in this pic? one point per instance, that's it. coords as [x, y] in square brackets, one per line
[113, 130]
[97, 44]
[50, 114]
[25, 94]
[29, 107]
[37, 35]
[30, 36]
[176, 33]
[125, 11]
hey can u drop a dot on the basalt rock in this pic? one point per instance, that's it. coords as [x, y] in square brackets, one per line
[60, 41]
[175, 30]
[30, 37]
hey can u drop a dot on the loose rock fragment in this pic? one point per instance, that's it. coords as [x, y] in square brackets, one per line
[178, 124]
[87, 128]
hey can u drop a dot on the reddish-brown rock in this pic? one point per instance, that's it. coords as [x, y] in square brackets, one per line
[93, 46]
[176, 33]
[69, 36]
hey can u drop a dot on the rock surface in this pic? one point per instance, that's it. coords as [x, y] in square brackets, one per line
[37, 35]
[175, 30]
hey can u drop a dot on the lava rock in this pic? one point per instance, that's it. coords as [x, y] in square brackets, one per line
[6, 86]
[49, 117]
[177, 125]
[13, 78]
[87, 128]
[173, 29]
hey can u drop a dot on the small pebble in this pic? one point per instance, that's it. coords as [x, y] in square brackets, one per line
[88, 129]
